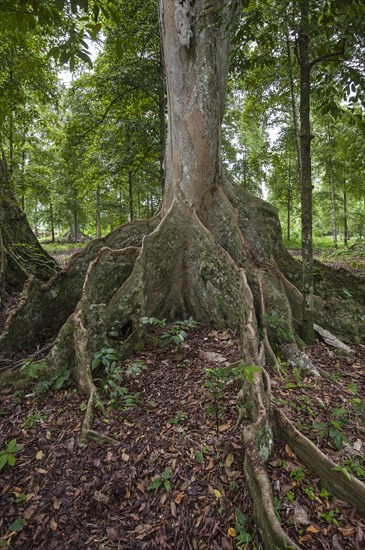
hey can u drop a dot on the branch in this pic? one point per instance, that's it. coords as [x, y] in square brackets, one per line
[101, 120]
[327, 56]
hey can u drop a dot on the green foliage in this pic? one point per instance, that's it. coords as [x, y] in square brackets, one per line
[179, 418]
[55, 383]
[276, 504]
[279, 327]
[329, 516]
[331, 430]
[343, 470]
[30, 369]
[113, 375]
[32, 419]
[107, 358]
[21, 499]
[135, 368]
[161, 481]
[298, 474]
[247, 371]
[243, 536]
[153, 321]
[7, 456]
[215, 384]
[199, 456]
[355, 468]
[176, 333]
[17, 525]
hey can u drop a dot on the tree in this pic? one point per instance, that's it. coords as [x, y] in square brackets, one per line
[213, 252]
[26, 82]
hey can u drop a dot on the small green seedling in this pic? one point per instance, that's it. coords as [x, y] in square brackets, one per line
[199, 456]
[8, 455]
[178, 418]
[161, 481]
[243, 537]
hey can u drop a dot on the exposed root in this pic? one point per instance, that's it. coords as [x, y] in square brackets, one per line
[332, 340]
[47, 306]
[254, 408]
[86, 430]
[337, 481]
[88, 418]
[100, 438]
[272, 534]
[266, 342]
[297, 358]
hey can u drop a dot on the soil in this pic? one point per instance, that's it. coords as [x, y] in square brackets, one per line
[171, 475]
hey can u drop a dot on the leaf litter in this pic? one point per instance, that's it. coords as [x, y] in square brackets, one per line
[173, 480]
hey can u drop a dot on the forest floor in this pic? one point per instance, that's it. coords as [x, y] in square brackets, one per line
[351, 257]
[173, 475]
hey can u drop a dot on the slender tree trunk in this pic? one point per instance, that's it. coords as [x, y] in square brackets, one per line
[139, 196]
[76, 222]
[52, 222]
[345, 228]
[289, 201]
[23, 173]
[332, 187]
[98, 207]
[120, 205]
[306, 174]
[130, 196]
[11, 135]
[245, 179]
[293, 104]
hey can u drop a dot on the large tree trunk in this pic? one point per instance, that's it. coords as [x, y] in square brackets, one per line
[196, 67]
[214, 252]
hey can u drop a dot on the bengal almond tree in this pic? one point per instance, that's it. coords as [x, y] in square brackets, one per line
[214, 252]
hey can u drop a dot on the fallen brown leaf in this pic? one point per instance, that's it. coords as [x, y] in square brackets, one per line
[179, 497]
[224, 427]
[312, 529]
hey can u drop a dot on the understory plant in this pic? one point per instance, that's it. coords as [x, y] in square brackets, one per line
[215, 385]
[112, 376]
[7, 455]
[176, 332]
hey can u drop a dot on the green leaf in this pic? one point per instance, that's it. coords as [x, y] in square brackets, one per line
[155, 484]
[12, 447]
[17, 525]
[3, 460]
[240, 517]
[199, 456]
[343, 470]
[167, 485]
[166, 474]
[11, 459]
